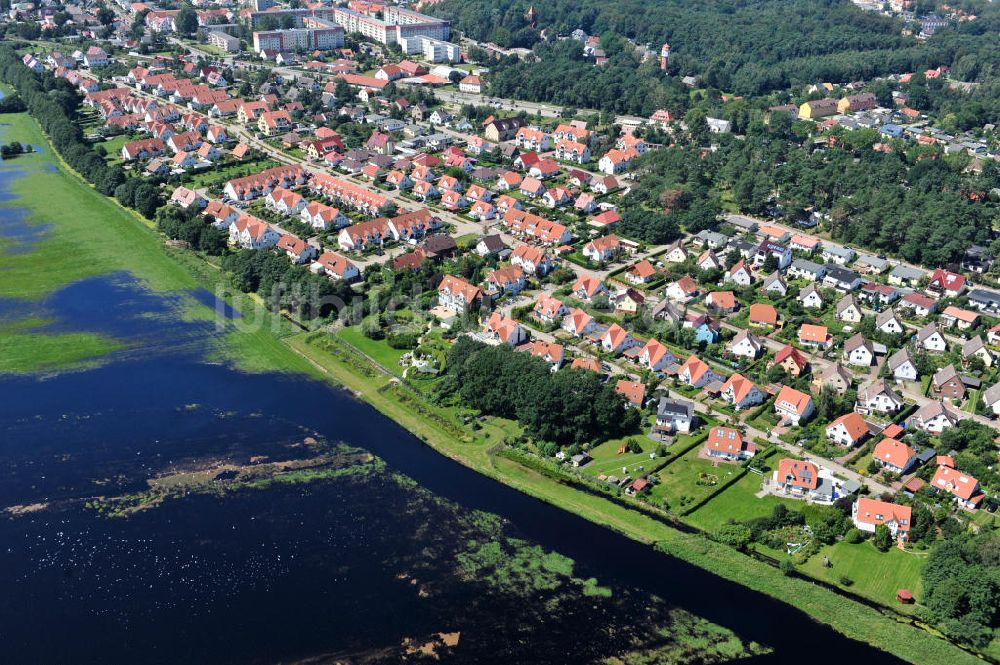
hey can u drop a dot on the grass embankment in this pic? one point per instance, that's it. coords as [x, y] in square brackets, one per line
[849, 617]
[88, 235]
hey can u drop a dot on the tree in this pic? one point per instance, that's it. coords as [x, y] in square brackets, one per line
[883, 538]
[187, 20]
[737, 536]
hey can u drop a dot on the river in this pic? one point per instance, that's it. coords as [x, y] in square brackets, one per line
[367, 567]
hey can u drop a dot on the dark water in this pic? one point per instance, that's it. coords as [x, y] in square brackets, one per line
[349, 567]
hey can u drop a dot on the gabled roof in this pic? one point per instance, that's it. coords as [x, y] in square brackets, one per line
[853, 423]
[896, 453]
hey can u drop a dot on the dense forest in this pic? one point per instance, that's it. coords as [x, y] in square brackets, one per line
[743, 47]
[911, 202]
[571, 406]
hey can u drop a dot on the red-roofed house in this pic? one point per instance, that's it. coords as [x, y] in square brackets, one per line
[728, 444]
[869, 513]
[894, 455]
[792, 405]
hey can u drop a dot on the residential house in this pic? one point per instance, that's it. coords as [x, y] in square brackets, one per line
[797, 477]
[791, 360]
[763, 315]
[683, 290]
[903, 275]
[534, 261]
[457, 294]
[848, 430]
[858, 351]
[655, 357]
[991, 398]
[956, 316]
[889, 323]
[867, 514]
[805, 269]
[634, 392]
[774, 285]
[586, 288]
[814, 336]
[848, 310]
[602, 249]
[721, 302]
[549, 352]
[696, 373]
[640, 273]
[335, 267]
[508, 279]
[741, 393]
[745, 345]
[877, 397]
[549, 308]
[841, 256]
[976, 348]
[894, 455]
[929, 338]
[842, 279]
[618, 340]
[962, 486]
[833, 376]
[296, 249]
[902, 365]
[948, 383]
[934, 417]
[578, 323]
[810, 298]
[728, 444]
[739, 274]
[504, 330]
[793, 406]
[918, 303]
[943, 282]
[674, 416]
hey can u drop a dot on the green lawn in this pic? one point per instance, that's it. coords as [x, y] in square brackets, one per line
[377, 350]
[681, 483]
[607, 461]
[737, 502]
[877, 575]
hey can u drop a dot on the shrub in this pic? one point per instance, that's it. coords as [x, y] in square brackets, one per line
[846, 581]
[853, 536]
[786, 567]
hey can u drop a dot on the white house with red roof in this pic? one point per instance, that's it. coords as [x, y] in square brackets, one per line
[578, 323]
[504, 330]
[696, 373]
[943, 282]
[848, 430]
[603, 248]
[741, 392]
[793, 405]
[457, 294]
[655, 356]
[617, 340]
[868, 513]
[728, 444]
[335, 266]
[894, 455]
[960, 485]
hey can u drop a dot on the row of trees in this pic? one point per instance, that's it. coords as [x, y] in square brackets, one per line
[571, 406]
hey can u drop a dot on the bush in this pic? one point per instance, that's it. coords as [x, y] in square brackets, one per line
[404, 341]
[853, 536]
[787, 567]
[846, 581]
